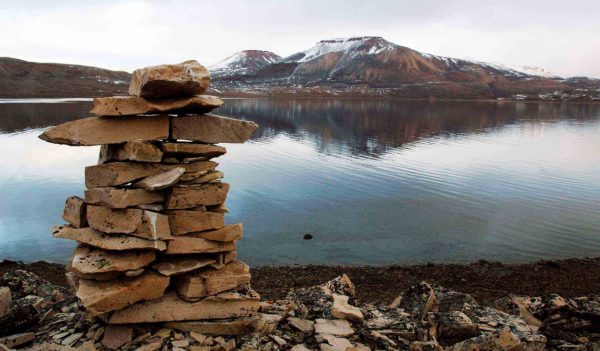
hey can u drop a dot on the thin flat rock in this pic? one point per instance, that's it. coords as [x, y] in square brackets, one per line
[190, 197]
[96, 238]
[188, 78]
[201, 179]
[98, 131]
[171, 307]
[238, 326]
[133, 105]
[211, 129]
[212, 281]
[87, 259]
[141, 223]
[177, 265]
[161, 181]
[203, 150]
[182, 222]
[231, 232]
[121, 198]
[187, 245]
[140, 151]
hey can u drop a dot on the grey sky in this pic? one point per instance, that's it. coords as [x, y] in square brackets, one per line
[561, 36]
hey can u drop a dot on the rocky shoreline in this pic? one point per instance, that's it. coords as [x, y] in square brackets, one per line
[483, 305]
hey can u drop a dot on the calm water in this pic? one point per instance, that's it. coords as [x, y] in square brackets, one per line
[374, 181]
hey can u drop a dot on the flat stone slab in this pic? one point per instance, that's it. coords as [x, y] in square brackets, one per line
[141, 151]
[193, 149]
[162, 180]
[133, 105]
[208, 195]
[188, 78]
[182, 221]
[100, 297]
[119, 173]
[188, 245]
[171, 307]
[98, 131]
[211, 129]
[335, 327]
[5, 300]
[238, 326]
[87, 259]
[75, 212]
[199, 179]
[141, 223]
[231, 232]
[121, 198]
[96, 238]
[212, 281]
[178, 265]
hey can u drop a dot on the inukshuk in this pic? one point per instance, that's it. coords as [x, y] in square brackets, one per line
[152, 243]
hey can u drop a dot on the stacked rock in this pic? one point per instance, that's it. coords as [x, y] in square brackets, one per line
[152, 243]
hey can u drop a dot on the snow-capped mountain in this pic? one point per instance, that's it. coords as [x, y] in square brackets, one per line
[243, 63]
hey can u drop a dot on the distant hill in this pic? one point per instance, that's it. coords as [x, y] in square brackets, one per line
[23, 79]
[374, 66]
[243, 64]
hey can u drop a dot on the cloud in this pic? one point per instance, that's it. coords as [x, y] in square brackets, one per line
[130, 34]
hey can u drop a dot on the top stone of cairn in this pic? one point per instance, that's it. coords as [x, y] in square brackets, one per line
[188, 78]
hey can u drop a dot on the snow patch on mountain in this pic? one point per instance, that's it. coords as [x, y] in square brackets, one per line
[244, 62]
[343, 45]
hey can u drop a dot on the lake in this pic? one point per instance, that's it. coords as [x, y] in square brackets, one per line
[374, 181]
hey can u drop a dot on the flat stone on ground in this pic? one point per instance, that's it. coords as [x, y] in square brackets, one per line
[231, 232]
[121, 198]
[211, 129]
[211, 281]
[238, 326]
[183, 222]
[5, 300]
[193, 149]
[139, 150]
[162, 180]
[304, 325]
[335, 327]
[100, 297]
[188, 78]
[87, 259]
[116, 336]
[208, 195]
[96, 238]
[119, 173]
[75, 212]
[186, 245]
[141, 223]
[343, 310]
[177, 265]
[171, 307]
[98, 131]
[133, 105]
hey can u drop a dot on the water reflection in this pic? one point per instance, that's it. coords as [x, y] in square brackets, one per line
[374, 181]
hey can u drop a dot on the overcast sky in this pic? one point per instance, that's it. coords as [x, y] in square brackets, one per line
[561, 36]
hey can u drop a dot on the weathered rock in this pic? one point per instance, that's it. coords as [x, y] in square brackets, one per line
[193, 149]
[453, 327]
[208, 195]
[119, 173]
[98, 131]
[172, 308]
[75, 212]
[239, 326]
[121, 198]
[183, 222]
[343, 310]
[71, 339]
[299, 347]
[139, 150]
[151, 207]
[87, 259]
[212, 281]
[417, 300]
[502, 340]
[317, 301]
[177, 265]
[337, 344]
[201, 179]
[116, 336]
[186, 245]
[96, 238]
[161, 181]
[231, 232]
[17, 339]
[449, 300]
[211, 129]
[335, 327]
[100, 297]
[132, 105]
[304, 325]
[5, 300]
[140, 223]
[188, 78]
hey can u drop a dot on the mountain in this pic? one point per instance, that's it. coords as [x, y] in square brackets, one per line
[23, 79]
[374, 66]
[242, 64]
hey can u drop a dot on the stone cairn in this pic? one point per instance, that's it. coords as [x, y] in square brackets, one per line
[152, 242]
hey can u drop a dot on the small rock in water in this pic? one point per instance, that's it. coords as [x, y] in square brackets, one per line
[308, 236]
